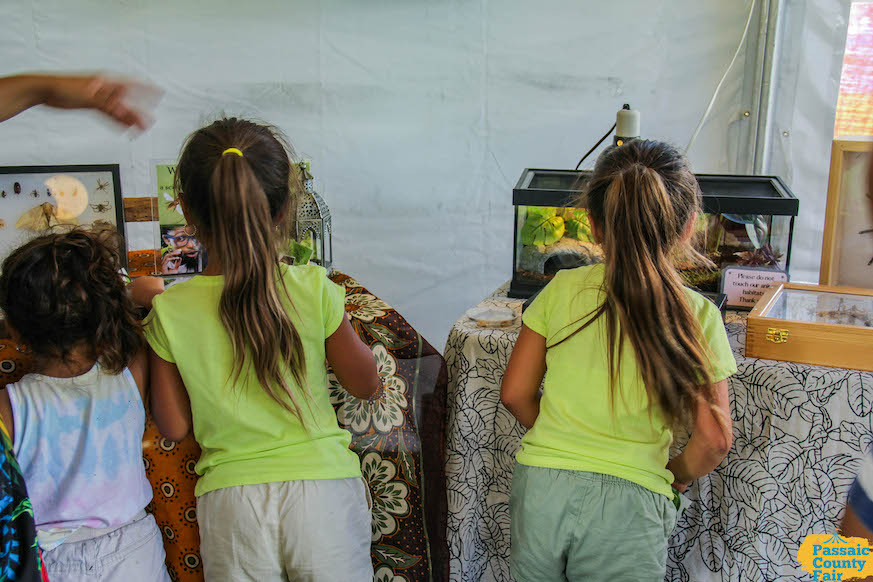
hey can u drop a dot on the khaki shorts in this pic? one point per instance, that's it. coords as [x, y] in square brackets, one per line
[313, 531]
[575, 525]
[133, 552]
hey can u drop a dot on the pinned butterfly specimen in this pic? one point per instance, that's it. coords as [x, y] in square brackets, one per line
[16, 188]
[34, 193]
[2, 223]
[101, 207]
[102, 224]
[101, 185]
[42, 217]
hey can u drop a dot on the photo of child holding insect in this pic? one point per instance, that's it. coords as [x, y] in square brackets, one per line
[181, 252]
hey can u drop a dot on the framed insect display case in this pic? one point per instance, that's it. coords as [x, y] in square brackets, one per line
[746, 221]
[36, 200]
[847, 246]
[813, 324]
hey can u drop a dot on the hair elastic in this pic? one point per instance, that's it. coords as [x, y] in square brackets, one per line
[232, 151]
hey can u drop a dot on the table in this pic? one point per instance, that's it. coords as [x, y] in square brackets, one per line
[799, 432]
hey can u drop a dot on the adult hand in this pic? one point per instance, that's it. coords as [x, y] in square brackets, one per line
[171, 261]
[111, 97]
[114, 98]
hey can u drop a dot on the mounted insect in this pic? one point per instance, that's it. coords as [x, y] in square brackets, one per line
[16, 188]
[172, 203]
[2, 193]
[868, 231]
[34, 193]
[101, 185]
[101, 207]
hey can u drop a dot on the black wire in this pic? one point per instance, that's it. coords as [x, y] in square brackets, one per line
[596, 145]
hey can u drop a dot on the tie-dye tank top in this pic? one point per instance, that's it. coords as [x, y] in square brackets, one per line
[79, 445]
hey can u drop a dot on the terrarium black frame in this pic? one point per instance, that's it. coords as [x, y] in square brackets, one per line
[739, 196]
[25, 190]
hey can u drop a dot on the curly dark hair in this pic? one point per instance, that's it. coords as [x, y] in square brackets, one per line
[63, 290]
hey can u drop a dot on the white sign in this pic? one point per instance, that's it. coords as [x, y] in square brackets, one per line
[743, 286]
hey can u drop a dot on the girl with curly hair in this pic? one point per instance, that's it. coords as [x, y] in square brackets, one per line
[77, 420]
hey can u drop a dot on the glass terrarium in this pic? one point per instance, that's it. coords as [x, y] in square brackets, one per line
[747, 220]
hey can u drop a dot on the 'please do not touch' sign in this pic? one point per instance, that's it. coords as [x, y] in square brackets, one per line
[743, 286]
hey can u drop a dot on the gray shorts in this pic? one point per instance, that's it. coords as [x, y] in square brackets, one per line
[304, 531]
[133, 552]
[575, 525]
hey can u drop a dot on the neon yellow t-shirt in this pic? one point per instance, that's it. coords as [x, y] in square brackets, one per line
[577, 428]
[245, 436]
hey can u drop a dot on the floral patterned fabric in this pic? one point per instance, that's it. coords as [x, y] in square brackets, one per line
[398, 435]
[799, 434]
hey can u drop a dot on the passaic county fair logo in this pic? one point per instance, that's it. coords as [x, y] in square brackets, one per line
[832, 557]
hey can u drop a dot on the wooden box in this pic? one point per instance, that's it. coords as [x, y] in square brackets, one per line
[813, 324]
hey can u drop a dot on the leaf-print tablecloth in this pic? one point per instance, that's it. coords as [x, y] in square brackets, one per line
[799, 432]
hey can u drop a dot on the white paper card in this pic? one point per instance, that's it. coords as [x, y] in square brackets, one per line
[743, 286]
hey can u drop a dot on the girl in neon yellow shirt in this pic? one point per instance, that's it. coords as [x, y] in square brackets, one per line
[626, 354]
[238, 355]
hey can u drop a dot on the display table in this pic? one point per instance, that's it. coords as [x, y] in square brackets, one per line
[799, 432]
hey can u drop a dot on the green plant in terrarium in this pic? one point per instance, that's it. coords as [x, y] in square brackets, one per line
[299, 253]
[576, 224]
[542, 226]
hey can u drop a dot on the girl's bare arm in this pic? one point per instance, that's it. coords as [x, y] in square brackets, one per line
[520, 390]
[171, 407]
[710, 441]
[352, 361]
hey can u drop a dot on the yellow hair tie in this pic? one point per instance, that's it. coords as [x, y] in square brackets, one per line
[232, 151]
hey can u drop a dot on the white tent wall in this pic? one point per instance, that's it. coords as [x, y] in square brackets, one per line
[418, 116]
[799, 128]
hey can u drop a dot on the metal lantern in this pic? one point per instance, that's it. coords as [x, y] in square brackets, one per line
[313, 223]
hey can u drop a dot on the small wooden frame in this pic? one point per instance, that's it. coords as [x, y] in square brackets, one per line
[807, 340]
[141, 209]
[847, 245]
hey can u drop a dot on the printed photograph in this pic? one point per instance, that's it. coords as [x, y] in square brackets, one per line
[181, 253]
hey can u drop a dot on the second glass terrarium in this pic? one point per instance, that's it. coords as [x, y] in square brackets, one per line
[746, 220]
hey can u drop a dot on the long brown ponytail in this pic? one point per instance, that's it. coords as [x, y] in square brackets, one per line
[642, 197]
[243, 206]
